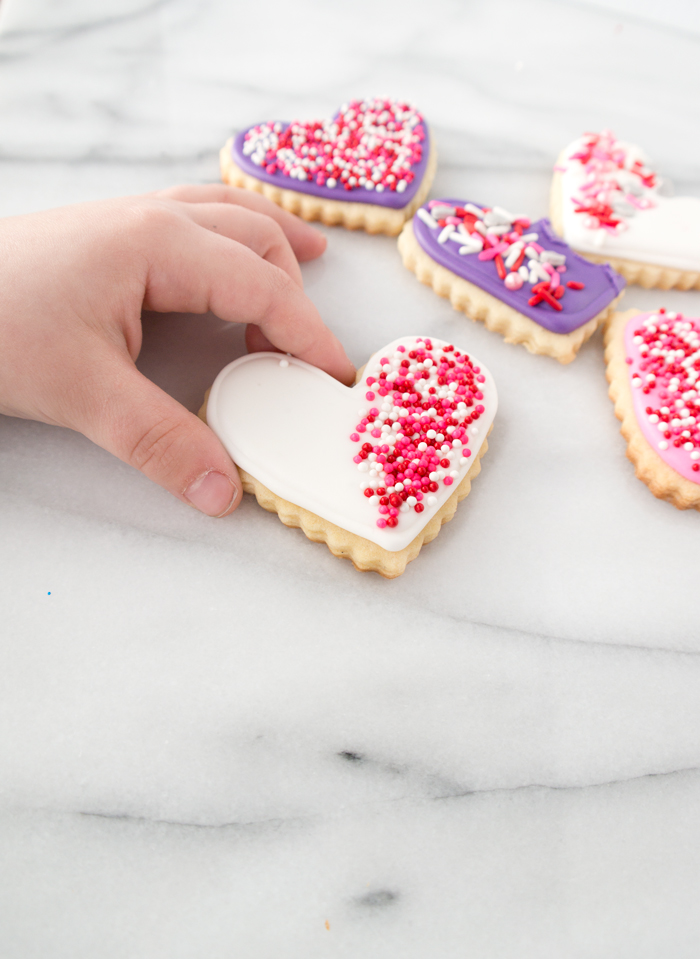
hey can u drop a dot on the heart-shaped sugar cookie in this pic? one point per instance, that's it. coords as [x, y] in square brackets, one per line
[654, 373]
[379, 460]
[607, 204]
[513, 274]
[370, 165]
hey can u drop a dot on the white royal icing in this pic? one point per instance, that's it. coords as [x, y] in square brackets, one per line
[288, 424]
[665, 234]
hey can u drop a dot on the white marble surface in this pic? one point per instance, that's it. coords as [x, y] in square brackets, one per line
[215, 738]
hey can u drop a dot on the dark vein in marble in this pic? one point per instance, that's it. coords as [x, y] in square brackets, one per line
[278, 822]
[377, 899]
[272, 824]
[552, 788]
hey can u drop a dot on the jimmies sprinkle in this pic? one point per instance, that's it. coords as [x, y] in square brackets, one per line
[617, 185]
[497, 236]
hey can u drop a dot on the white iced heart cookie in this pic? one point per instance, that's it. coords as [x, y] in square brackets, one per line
[607, 205]
[373, 469]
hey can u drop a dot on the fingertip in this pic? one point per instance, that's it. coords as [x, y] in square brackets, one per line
[214, 493]
[314, 245]
[257, 342]
[348, 373]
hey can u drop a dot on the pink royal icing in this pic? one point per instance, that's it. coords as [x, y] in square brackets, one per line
[663, 355]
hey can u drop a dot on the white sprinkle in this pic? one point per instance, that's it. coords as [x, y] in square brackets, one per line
[440, 212]
[427, 218]
[284, 363]
[445, 233]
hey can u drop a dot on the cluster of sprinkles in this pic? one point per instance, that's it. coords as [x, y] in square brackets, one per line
[495, 234]
[413, 435]
[668, 370]
[371, 144]
[617, 183]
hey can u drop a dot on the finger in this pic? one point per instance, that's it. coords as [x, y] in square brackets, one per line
[128, 415]
[307, 242]
[257, 342]
[194, 271]
[259, 233]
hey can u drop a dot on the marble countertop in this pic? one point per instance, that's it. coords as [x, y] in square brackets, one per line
[216, 739]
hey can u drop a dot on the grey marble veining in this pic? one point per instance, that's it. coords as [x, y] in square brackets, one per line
[217, 739]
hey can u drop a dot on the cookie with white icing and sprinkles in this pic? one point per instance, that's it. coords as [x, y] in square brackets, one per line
[516, 276]
[653, 367]
[368, 167]
[607, 204]
[372, 470]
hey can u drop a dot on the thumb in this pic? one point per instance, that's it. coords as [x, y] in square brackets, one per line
[134, 419]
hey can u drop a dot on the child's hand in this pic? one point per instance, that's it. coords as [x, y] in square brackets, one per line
[73, 282]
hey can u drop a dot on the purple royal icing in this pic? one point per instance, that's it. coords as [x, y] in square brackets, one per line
[602, 284]
[358, 194]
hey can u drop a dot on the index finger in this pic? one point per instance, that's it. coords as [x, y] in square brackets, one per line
[305, 240]
[192, 270]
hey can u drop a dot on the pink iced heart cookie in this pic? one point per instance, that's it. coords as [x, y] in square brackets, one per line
[606, 203]
[654, 374]
[370, 166]
[372, 470]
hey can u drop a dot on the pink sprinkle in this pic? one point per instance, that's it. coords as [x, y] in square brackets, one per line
[357, 459]
[493, 251]
[354, 437]
[369, 396]
[375, 433]
[448, 481]
[381, 523]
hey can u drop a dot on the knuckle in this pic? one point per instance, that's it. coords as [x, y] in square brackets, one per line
[154, 217]
[158, 448]
[280, 290]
